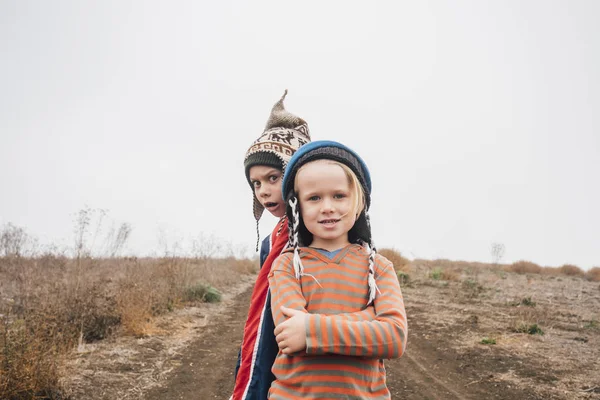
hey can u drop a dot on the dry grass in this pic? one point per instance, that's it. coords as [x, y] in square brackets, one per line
[50, 304]
[593, 274]
[400, 263]
[445, 270]
[571, 270]
[565, 270]
[455, 270]
[449, 274]
[524, 267]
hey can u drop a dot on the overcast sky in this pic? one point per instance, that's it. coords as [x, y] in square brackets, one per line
[478, 120]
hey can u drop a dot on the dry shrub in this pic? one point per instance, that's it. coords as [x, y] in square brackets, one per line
[37, 328]
[30, 359]
[531, 319]
[51, 303]
[593, 274]
[245, 266]
[472, 288]
[222, 272]
[400, 263]
[451, 274]
[571, 270]
[150, 288]
[92, 311]
[524, 267]
[134, 305]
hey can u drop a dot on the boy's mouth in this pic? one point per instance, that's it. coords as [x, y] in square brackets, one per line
[270, 204]
[329, 221]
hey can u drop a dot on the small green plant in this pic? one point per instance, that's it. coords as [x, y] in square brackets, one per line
[471, 287]
[532, 329]
[212, 295]
[403, 278]
[204, 293]
[593, 324]
[535, 330]
[436, 274]
[487, 340]
[527, 302]
[469, 284]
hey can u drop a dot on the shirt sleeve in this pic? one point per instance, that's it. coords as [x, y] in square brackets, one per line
[383, 337]
[285, 288]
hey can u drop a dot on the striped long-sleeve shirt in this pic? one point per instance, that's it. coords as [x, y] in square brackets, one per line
[344, 355]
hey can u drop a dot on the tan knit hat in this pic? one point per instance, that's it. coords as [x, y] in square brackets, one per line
[283, 135]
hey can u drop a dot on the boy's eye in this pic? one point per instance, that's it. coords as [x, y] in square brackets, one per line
[313, 198]
[273, 178]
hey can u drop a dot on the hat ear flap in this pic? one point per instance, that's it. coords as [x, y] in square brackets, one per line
[361, 231]
[304, 235]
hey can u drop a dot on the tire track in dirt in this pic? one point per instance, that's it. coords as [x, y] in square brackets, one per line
[431, 369]
[435, 388]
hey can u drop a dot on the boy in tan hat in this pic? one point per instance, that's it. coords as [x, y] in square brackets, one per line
[265, 163]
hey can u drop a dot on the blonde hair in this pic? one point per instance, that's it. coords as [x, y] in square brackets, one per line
[356, 189]
[359, 201]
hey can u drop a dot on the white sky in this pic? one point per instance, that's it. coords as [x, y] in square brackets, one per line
[476, 118]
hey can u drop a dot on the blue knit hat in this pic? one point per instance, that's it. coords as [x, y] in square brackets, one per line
[360, 232]
[330, 150]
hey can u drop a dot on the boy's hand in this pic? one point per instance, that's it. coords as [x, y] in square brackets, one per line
[291, 334]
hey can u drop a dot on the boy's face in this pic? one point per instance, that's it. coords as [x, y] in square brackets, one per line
[266, 182]
[326, 203]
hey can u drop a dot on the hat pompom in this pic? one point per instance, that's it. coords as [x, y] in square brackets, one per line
[281, 118]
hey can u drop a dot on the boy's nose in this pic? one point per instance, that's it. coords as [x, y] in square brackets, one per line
[327, 206]
[264, 192]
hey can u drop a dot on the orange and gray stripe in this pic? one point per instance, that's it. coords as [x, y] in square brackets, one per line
[346, 340]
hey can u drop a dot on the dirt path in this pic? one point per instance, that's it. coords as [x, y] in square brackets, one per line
[427, 370]
[206, 370]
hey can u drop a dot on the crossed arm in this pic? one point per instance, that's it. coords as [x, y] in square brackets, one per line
[379, 331]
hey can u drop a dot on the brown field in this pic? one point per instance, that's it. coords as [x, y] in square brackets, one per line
[131, 328]
[53, 307]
